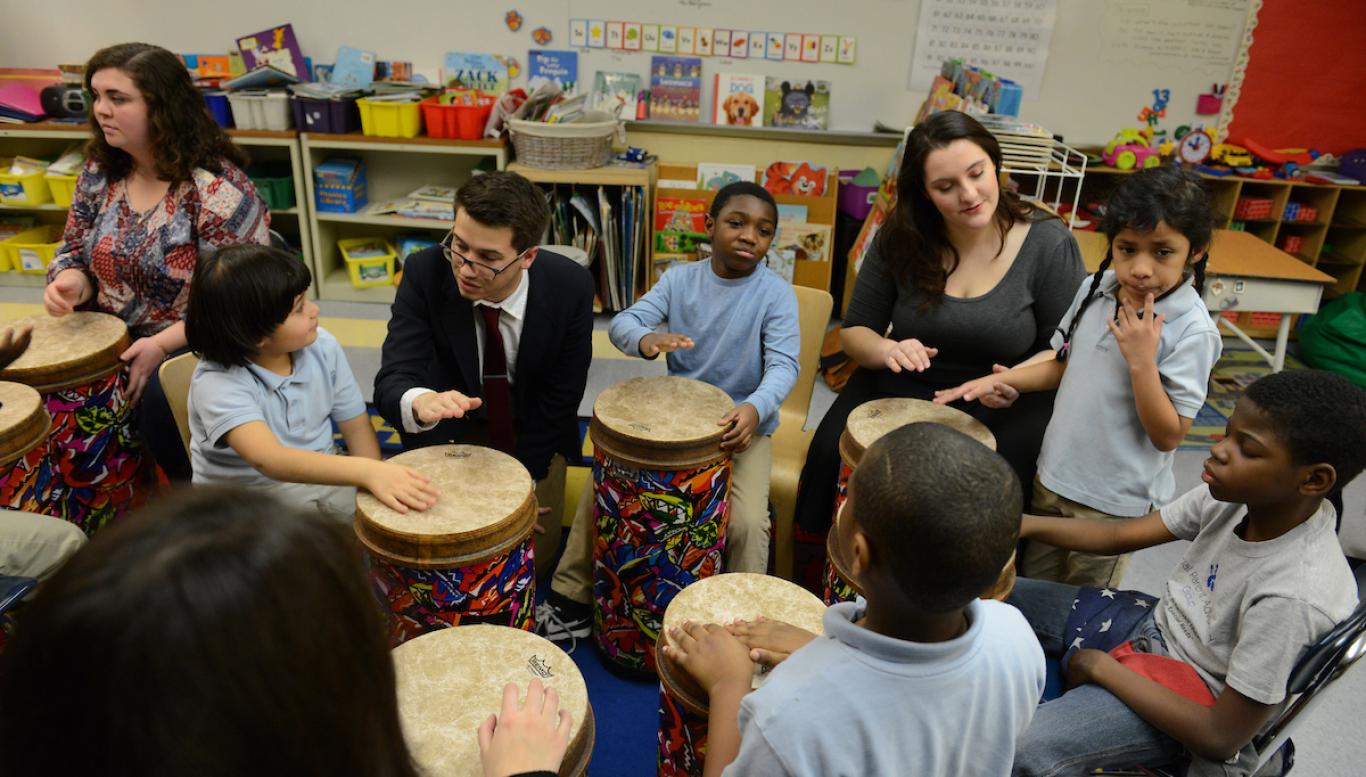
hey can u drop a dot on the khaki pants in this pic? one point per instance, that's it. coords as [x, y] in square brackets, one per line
[550, 493]
[746, 536]
[34, 545]
[1045, 562]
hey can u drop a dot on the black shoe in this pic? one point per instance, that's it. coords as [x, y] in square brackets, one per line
[560, 619]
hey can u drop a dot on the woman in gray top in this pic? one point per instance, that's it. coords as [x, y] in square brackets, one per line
[963, 277]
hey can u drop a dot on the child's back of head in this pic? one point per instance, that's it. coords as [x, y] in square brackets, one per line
[941, 513]
[1319, 416]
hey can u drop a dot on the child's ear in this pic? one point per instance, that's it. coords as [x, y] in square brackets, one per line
[710, 225]
[1318, 480]
[860, 554]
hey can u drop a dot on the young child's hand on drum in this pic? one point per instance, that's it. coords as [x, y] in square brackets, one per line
[400, 487]
[711, 655]
[745, 418]
[530, 737]
[13, 343]
[770, 642]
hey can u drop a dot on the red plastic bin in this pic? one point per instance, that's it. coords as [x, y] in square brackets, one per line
[464, 122]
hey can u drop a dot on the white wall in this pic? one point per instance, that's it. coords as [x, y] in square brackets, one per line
[1086, 95]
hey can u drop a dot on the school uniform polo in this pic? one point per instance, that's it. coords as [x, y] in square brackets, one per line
[1096, 450]
[299, 408]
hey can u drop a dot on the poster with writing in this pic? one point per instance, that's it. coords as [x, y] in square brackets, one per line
[1199, 34]
[1010, 38]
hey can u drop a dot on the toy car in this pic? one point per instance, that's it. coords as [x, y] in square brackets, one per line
[1231, 155]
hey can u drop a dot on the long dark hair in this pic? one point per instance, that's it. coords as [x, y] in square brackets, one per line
[1165, 194]
[914, 242]
[217, 634]
[181, 131]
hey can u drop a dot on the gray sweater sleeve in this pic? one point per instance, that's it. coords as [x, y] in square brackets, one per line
[875, 294]
[1058, 274]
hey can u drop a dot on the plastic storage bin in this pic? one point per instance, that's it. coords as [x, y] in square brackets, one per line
[369, 261]
[219, 108]
[275, 184]
[31, 250]
[26, 189]
[465, 122]
[63, 188]
[336, 116]
[388, 119]
[260, 109]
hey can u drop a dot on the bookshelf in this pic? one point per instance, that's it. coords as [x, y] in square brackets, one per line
[46, 139]
[819, 210]
[393, 168]
[619, 265]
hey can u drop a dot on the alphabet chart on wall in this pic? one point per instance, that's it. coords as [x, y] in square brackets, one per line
[1010, 38]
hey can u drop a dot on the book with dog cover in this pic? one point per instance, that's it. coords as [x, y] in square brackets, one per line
[738, 100]
[797, 104]
[676, 88]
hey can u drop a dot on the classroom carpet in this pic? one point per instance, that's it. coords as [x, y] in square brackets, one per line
[1236, 369]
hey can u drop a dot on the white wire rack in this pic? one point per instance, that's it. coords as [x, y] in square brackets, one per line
[1050, 182]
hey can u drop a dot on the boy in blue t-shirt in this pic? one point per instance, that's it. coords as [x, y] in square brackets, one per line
[732, 323]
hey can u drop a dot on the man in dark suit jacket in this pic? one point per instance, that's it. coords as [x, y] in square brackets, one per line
[432, 384]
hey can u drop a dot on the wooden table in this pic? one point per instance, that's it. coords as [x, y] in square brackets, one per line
[1244, 273]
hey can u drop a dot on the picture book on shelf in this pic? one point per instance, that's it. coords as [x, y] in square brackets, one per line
[802, 178]
[782, 262]
[806, 242]
[788, 213]
[562, 67]
[475, 71]
[276, 47]
[712, 176]
[676, 88]
[617, 93]
[354, 68]
[680, 224]
[796, 104]
[738, 100]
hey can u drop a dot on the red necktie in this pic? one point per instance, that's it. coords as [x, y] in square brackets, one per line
[497, 391]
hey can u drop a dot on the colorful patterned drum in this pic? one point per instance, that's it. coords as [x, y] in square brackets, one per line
[662, 486]
[719, 599]
[450, 681]
[91, 469]
[24, 422]
[839, 585]
[865, 426]
[468, 558]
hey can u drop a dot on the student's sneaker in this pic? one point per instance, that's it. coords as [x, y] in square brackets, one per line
[561, 619]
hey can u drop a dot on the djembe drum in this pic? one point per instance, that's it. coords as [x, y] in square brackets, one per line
[683, 704]
[91, 469]
[662, 486]
[450, 681]
[468, 558]
[865, 426]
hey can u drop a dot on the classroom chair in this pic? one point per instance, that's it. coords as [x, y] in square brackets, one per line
[175, 377]
[1321, 665]
[791, 440]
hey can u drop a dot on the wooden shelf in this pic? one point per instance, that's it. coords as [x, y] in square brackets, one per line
[23, 279]
[832, 137]
[337, 286]
[419, 144]
[383, 221]
[45, 206]
[599, 176]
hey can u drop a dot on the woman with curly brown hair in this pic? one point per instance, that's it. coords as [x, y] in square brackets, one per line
[163, 183]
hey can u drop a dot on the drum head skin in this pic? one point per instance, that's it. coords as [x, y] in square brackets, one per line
[73, 350]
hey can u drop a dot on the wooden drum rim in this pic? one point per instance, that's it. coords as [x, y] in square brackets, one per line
[851, 450]
[679, 685]
[835, 553]
[651, 453]
[27, 432]
[73, 372]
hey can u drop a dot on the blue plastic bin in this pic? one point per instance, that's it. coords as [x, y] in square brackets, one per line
[219, 108]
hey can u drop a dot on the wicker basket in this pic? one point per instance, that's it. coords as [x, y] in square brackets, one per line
[576, 146]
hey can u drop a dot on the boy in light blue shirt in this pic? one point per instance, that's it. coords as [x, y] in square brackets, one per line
[732, 323]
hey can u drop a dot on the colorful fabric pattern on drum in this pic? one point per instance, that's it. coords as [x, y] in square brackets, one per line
[682, 739]
[657, 532]
[500, 590]
[92, 469]
[836, 588]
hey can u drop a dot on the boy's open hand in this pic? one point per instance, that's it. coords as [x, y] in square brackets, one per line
[400, 488]
[655, 343]
[1137, 336]
[709, 653]
[990, 390]
[746, 419]
[431, 407]
[13, 343]
[909, 355]
[770, 642]
[531, 737]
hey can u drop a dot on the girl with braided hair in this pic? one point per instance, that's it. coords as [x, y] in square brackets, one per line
[1132, 362]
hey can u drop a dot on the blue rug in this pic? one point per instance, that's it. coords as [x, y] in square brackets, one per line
[627, 714]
